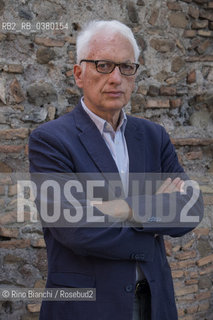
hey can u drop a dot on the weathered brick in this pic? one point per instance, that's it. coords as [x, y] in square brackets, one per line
[157, 103]
[191, 274]
[208, 200]
[12, 190]
[193, 11]
[182, 264]
[189, 33]
[189, 317]
[177, 64]
[188, 245]
[16, 91]
[11, 134]
[162, 46]
[185, 299]
[40, 283]
[174, 80]
[13, 244]
[203, 306]
[45, 55]
[5, 179]
[167, 91]
[210, 5]
[200, 24]
[191, 77]
[38, 243]
[140, 3]
[11, 148]
[175, 103]
[2, 36]
[8, 217]
[181, 312]
[191, 141]
[178, 20]
[206, 270]
[132, 12]
[12, 258]
[177, 274]
[174, 6]
[14, 68]
[191, 281]
[200, 1]
[142, 90]
[9, 232]
[168, 247]
[154, 16]
[138, 103]
[203, 295]
[205, 33]
[201, 232]
[69, 73]
[204, 46]
[194, 155]
[51, 112]
[206, 15]
[205, 260]
[191, 309]
[153, 91]
[26, 150]
[2, 191]
[204, 282]
[206, 189]
[34, 307]
[186, 255]
[70, 39]
[186, 290]
[176, 248]
[208, 58]
[48, 42]
[71, 56]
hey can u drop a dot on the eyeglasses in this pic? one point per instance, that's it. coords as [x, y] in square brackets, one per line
[106, 66]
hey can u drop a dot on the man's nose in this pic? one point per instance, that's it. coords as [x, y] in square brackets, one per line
[115, 76]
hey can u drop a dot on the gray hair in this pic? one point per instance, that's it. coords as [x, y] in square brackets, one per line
[94, 27]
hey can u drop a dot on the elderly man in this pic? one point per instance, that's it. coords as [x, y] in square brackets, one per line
[127, 265]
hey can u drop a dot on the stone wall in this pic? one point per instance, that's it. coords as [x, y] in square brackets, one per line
[174, 88]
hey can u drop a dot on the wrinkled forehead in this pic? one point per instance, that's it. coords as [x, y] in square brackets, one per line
[105, 43]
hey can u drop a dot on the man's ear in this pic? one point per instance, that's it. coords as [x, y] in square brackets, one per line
[78, 74]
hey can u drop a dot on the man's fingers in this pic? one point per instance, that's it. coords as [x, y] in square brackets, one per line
[173, 185]
[170, 185]
[164, 186]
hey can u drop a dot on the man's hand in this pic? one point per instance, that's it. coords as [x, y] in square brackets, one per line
[118, 209]
[170, 186]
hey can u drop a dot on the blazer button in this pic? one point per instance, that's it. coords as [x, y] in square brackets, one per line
[140, 257]
[129, 288]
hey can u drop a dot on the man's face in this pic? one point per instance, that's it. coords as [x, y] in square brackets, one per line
[105, 93]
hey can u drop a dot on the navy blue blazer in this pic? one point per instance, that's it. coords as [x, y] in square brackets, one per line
[105, 258]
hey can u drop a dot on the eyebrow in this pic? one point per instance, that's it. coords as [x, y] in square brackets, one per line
[126, 61]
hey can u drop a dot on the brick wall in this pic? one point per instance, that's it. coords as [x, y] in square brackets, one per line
[174, 88]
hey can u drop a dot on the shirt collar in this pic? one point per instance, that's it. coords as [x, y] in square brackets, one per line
[103, 125]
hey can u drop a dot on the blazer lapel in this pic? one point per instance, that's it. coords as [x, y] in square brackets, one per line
[135, 145]
[93, 142]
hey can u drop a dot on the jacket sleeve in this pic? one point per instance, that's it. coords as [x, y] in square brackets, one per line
[49, 159]
[168, 214]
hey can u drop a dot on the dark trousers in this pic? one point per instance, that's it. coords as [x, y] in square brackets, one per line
[142, 305]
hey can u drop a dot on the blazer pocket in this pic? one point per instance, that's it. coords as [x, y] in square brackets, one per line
[68, 279]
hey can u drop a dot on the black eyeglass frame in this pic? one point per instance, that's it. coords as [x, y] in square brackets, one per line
[115, 65]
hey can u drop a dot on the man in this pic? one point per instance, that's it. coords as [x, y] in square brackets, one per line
[127, 265]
